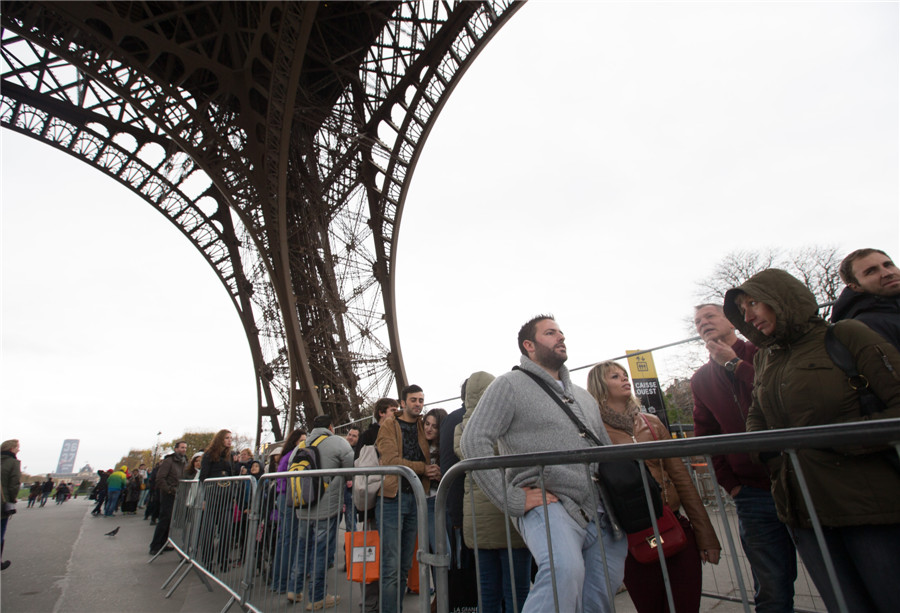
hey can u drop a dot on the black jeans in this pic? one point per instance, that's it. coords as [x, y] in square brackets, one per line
[166, 504]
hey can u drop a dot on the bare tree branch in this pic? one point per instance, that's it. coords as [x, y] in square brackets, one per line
[817, 266]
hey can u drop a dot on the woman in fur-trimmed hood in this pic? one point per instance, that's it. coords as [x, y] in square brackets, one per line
[855, 492]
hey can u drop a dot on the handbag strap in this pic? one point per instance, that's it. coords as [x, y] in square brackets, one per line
[662, 468]
[839, 353]
[582, 429]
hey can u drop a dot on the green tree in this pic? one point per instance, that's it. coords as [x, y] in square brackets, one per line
[196, 441]
[679, 402]
[135, 458]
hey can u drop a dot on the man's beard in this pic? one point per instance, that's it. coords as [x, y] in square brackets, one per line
[548, 358]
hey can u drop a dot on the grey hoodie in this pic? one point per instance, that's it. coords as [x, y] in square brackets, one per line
[520, 416]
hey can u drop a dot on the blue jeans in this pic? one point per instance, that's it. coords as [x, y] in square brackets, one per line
[865, 558]
[112, 500]
[578, 560]
[349, 511]
[311, 556]
[769, 548]
[287, 536]
[493, 576]
[3, 522]
[397, 524]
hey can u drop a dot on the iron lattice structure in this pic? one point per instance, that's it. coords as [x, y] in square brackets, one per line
[279, 137]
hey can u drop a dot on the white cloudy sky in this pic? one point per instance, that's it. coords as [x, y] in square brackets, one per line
[596, 161]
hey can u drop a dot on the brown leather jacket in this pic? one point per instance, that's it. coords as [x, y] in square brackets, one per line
[390, 449]
[677, 488]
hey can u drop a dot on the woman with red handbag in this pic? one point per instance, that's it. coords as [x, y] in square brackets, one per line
[691, 539]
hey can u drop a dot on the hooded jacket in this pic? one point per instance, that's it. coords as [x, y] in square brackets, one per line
[798, 385]
[116, 480]
[488, 519]
[881, 313]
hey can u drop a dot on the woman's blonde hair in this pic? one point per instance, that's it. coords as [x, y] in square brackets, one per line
[9, 445]
[596, 383]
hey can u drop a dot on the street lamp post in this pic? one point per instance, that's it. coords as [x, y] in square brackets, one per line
[156, 451]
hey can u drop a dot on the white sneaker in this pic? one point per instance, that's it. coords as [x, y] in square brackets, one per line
[326, 603]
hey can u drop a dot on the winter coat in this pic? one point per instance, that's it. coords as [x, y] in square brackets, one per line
[488, 519]
[368, 437]
[798, 385]
[10, 476]
[675, 482]
[116, 481]
[449, 457]
[881, 313]
[169, 473]
[212, 469]
[721, 403]
[390, 449]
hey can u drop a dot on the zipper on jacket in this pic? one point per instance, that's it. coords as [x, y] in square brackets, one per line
[778, 380]
[884, 358]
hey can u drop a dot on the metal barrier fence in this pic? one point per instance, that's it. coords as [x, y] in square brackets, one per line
[239, 533]
[246, 537]
[788, 441]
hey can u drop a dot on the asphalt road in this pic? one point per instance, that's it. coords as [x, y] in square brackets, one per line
[62, 562]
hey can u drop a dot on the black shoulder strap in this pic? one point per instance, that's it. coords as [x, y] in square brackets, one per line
[582, 429]
[869, 403]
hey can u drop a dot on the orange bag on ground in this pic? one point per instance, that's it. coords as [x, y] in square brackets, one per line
[412, 579]
[363, 556]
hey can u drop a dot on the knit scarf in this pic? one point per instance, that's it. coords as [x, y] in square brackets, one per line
[620, 421]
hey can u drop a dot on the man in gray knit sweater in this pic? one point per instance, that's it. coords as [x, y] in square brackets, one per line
[519, 415]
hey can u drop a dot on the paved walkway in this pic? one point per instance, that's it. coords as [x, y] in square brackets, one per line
[62, 562]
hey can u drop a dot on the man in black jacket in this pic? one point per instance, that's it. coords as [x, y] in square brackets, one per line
[100, 492]
[167, 477]
[872, 294]
[382, 407]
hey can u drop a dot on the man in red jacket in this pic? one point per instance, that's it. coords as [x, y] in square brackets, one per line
[721, 390]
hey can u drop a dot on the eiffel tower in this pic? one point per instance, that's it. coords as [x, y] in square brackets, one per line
[279, 137]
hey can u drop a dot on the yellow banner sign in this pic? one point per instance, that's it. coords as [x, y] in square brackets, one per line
[641, 365]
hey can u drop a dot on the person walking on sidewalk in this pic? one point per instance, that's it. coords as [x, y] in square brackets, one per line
[10, 479]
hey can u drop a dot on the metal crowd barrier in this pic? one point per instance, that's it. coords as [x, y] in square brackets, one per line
[242, 535]
[788, 441]
[184, 516]
[233, 532]
[183, 531]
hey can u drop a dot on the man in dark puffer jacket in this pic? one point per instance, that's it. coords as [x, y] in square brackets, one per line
[872, 294]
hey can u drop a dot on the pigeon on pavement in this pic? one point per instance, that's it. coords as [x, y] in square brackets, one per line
[113, 533]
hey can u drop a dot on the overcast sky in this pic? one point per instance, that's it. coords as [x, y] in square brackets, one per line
[596, 162]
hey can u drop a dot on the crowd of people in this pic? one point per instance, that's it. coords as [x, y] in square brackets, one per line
[785, 372]
[42, 491]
